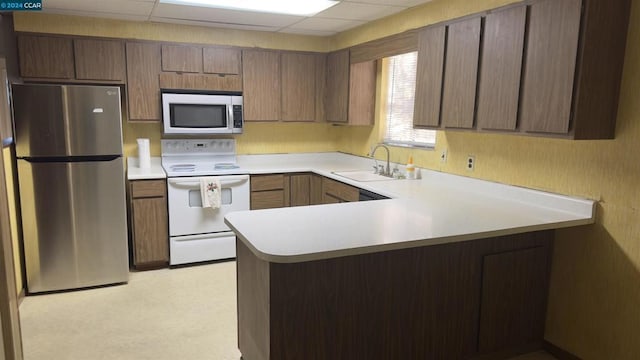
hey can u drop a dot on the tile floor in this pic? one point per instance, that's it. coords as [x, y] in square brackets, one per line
[187, 313]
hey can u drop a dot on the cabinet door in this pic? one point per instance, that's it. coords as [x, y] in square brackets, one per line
[298, 86]
[267, 199]
[151, 237]
[182, 58]
[143, 88]
[200, 82]
[332, 190]
[300, 190]
[99, 59]
[321, 83]
[218, 60]
[362, 93]
[514, 298]
[499, 88]
[552, 45]
[429, 71]
[261, 85]
[45, 57]
[337, 88]
[315, 190]
[461, 74]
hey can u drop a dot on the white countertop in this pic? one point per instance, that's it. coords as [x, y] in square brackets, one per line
[154, 172]
[439, 208]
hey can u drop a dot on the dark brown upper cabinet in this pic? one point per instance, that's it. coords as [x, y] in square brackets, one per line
[337, 99]
[573, 68]
[547, 92]
[298, 86]
[46, 57]
[350, 90]
[430, 67]
[261, 85]
[461, 73]
[362, 93]
[182, 58]
[67, 59]
[99, 59]
[143, 86]
[219, 60]
[502, 52]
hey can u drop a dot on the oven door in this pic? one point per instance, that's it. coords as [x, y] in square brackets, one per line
[186, 214]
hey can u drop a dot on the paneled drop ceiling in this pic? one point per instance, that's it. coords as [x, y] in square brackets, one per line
[343, 16]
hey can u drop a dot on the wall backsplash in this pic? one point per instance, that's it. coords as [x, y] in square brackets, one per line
[257, 138]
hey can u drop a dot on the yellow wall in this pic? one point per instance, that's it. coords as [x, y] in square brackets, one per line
[594, 301]
[11, 188]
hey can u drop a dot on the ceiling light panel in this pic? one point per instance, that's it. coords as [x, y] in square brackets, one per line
[291, 7]
[359, 11]
[163, 12]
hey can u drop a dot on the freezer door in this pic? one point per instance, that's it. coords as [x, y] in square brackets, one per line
[74, 224]
[67, 120]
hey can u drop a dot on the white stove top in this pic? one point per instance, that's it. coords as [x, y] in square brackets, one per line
[204, 157]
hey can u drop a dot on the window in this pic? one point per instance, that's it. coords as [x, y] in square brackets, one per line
[400, 71]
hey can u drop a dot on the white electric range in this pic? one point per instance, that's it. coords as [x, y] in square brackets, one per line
[199, 234]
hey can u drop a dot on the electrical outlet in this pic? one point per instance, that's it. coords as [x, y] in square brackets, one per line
[443, 156]
[471, 162]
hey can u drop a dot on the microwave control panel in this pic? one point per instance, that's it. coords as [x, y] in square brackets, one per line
[237, 116]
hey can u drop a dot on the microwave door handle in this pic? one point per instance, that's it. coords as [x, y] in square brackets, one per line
[230, 116]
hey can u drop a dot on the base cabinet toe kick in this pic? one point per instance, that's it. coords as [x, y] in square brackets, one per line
[482, 298]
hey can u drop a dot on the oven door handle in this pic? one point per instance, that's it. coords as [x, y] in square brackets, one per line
[226, 181]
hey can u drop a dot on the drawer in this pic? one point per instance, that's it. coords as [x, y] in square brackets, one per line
[267, 182]
[267, 199]
[148, 188]
[339, 190]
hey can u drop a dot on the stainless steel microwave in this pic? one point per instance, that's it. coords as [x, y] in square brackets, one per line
[201, 114]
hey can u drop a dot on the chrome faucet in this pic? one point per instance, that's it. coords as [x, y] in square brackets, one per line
[387, 171]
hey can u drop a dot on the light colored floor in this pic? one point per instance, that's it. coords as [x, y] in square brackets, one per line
[186, 313]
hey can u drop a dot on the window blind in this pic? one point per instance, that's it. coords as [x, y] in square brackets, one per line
[401, 75]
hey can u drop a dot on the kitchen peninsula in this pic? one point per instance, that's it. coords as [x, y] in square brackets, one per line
[448, 268]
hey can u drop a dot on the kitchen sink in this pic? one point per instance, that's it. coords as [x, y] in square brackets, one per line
[362, 175]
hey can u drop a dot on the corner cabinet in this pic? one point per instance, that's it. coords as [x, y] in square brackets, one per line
[573, 66]
[149, 223]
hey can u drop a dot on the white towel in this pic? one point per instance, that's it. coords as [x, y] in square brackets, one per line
[210, 192]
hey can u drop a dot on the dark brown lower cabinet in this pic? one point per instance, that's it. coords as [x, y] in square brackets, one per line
[336, 192]
[149, 223]
[462, 300]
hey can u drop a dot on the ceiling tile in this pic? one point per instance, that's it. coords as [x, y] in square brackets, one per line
[358, 11]
[232, 17]
[107, 15]
[321, 24]
[215, 24]
[404, 3]
[125, 7]
[290, 30]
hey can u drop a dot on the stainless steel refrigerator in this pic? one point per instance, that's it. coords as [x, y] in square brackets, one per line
[71, 180]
